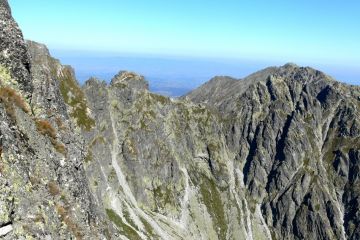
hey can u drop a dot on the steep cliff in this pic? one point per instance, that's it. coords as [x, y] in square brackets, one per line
[296, 136]
[44, 192]
[165, 169]
[274, 155]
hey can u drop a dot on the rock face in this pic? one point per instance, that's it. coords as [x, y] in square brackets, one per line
[14, 57]
[295, 133]
[44, 192]
[158, 166]
[275, 155]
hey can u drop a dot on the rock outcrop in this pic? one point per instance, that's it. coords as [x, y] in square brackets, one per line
[275, 155]
[269, 156]
[44, 193]
[14, 58]
[295, 133]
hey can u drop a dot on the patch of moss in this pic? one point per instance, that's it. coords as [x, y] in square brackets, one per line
[97, 140]
[306, 162]
[143, 125]
[4, 74]
[273, 235]
[213, 147]
[120, 85]
[112, 175]
[212, 200]
[161, 99]
[6, 79]
[130, 146]
[317, 207]
[129, 220]
[89, 156]
[74, 97]
[162, 197]
[149, 230]
[199, 110]
[335, 143]
[124, 229]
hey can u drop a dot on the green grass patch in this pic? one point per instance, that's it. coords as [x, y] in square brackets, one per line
[123, 228]
[212, 200]
[74, 97]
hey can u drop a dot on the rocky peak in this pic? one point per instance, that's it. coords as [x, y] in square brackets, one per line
[38, 52]
[93, 81]
[130, 79]
[290, 65]
[4, 4]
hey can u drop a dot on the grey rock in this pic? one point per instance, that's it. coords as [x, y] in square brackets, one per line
[44, 190]
[291, 128]
[13, 53]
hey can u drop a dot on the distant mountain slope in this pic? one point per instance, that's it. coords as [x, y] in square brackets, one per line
[296, 136]
[219, 88]
[275, 155]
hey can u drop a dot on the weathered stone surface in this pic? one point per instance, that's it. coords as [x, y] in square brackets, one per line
[14, 57]
[43, 187]
[264, 161]
[295, 134]
[159, 159]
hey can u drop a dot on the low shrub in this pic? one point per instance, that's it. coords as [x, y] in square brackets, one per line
[1, 164]
[53, 188]
[46, 129]
[10, 98]
[60, 124]
[66, 218]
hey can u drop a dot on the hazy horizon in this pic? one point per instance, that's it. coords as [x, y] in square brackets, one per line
[175, 76]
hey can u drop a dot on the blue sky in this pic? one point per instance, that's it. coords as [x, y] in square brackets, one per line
[316, 31]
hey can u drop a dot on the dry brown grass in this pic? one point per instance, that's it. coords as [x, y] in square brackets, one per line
[53, 188]
[60, 124]
[1, 164]
[59, 147]
[10, 98]
[65, 217]
[39, 218]
[46, 129]
[34, 180]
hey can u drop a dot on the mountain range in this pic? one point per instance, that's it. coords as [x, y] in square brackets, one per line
[275, 155]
